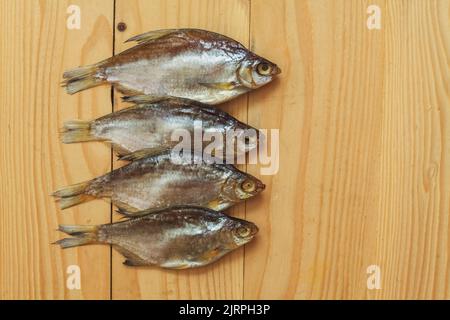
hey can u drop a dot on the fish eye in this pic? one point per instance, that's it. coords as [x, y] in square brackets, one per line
[248, 186]
[247, 140]
[243, 232]
[264, 68]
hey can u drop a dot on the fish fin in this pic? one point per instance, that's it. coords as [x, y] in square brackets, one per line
[122, 206]
[211, 255]
[72, 190]
[126, 91]
[176, 266]
[131, 259]
[82, 78]
[73, 242]
[152, 35]
[133, 213]
[134, 263]
[72, 195]
[220, 85]
[177, 101]
[119, 150]
[82, 235]
[77, 131]
[77, 124]
[73, 229]
[142, 98]
[65, 203]
[216, 205]
[144, 153]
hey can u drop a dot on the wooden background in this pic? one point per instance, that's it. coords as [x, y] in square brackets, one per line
[364, 179]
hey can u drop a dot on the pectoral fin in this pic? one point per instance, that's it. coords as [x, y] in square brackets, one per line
[175, 265]
[182, 266]
[220, 85]
[218, 204]
[144, 153]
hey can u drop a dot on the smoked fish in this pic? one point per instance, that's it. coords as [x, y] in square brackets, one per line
[189, 63]
[159, 181]
[176, 238]
[151, 123]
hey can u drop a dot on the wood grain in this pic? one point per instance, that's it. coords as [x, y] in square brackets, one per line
[36, 48]
[364, 174]
[223, 280]
[364, 151]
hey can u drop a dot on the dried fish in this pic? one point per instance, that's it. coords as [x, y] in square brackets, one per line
[187, 63]
[164, 180]
[176, 238]
[151, 123]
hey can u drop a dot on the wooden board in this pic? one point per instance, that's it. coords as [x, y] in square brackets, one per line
[222, 280]
[33, 162]
[364, 173]
[364, 151]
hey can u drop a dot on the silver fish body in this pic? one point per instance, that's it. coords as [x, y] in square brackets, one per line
[176, 238]
[165, 180]
[154, 124]
[187, 63]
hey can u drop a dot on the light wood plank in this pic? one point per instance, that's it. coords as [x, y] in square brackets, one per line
[413, 239]
[224, 279]
[364, 165]
[364, 151]
[36, 48]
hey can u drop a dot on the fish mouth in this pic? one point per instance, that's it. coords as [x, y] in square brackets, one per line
[276, 70]
[260, 186]
[254, 231]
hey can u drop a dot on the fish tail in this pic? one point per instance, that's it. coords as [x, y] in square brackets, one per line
[72, 195]
[73, 229]
[82, 235]
[77, 131]
[82, 78]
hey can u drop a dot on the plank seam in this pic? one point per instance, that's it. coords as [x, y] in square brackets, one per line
[112, 153]
[246, 165]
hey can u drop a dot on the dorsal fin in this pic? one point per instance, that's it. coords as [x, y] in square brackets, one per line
[143, 99]
[144, 153]
[186, 33]
[206, 108]
[150, 211]
[152, 35]
[134, 214]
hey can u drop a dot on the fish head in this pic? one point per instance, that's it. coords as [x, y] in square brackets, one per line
[242, 186]
[256, 71]
[242, 231]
